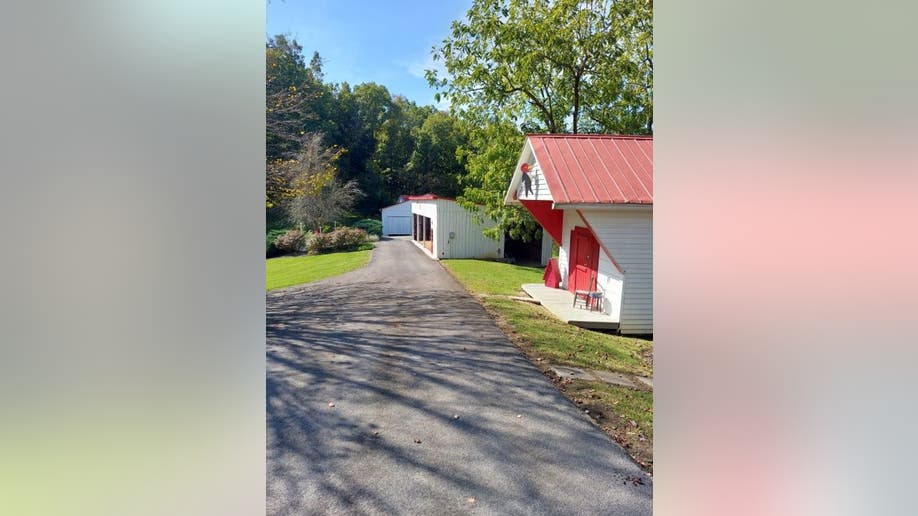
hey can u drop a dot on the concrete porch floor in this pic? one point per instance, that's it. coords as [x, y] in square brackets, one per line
[559, 301]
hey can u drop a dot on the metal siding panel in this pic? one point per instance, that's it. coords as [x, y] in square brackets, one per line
[636, 259]
[470, 241]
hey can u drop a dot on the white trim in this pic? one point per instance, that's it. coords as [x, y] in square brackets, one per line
[518, 174]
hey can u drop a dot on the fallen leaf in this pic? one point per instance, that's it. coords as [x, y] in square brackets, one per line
[632, 422]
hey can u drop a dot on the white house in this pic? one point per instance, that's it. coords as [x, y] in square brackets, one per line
[593, 194]
[396, 219]
[443, 229]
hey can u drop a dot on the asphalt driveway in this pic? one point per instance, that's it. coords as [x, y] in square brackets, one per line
[400, 349]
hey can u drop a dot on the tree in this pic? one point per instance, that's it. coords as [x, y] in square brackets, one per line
[435, 165]
[357, 115]
[557, 66]
[491, 156]
[395, 144]
[306, 186]
[549, 62]
[293, 96]
[328, 204]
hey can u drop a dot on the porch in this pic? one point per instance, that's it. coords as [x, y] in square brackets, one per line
[559, 301]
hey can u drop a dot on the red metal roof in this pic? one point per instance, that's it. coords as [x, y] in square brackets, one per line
[596, 168]
[426, 197]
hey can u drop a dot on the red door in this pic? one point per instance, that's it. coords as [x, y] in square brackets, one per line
[584, 259]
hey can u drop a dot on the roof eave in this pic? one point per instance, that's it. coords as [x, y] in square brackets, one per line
[600, 205]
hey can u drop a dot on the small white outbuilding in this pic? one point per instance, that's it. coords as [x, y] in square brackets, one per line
[396, 219]
[593, 194]
[443, 229]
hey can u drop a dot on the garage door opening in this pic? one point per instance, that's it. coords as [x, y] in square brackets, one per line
[423, 231]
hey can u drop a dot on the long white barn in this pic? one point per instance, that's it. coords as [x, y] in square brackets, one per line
[443, 229]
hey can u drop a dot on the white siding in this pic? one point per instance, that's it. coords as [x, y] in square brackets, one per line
[469, 241]
[396, 219]
[628, 235]
[539, 187]
[608, 278]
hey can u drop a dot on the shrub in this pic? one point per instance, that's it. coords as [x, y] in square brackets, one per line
[291, 241]
[270, 237]
[318, 243]
[341, 239]
[371, 226]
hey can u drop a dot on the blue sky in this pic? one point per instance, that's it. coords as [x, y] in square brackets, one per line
[387, 42]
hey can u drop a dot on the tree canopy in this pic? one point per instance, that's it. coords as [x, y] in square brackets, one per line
[557, 66]
[380, 144]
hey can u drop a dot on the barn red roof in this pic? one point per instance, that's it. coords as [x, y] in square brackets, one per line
[596, 168]
[425, 197]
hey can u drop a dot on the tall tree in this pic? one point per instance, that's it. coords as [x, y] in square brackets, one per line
[293, 96]
[542, 66]
[435, 164]
[491, 155]
[311, 193]
[395, 144]
[549, 62]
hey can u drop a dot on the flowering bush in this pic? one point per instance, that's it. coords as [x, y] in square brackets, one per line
[341, 239]
[292, 241]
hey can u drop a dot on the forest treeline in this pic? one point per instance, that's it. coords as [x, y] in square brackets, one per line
[511, 67]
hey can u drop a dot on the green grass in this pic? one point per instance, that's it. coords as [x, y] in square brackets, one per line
[635, 405]
[566, 344]
[294, 270]
[550, 338]
[488, 277]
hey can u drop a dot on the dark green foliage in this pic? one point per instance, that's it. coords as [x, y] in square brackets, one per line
[270, 237]
[388, 145]
[371, 226]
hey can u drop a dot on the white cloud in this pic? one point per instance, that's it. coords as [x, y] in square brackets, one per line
[418, 67]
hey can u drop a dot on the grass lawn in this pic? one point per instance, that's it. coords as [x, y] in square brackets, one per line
[552, 339]
[294, 270]
[487, 277]
[625, 414]
[566, 344]
[546, 340]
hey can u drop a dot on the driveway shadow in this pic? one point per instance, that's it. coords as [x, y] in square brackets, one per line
[400, 355]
